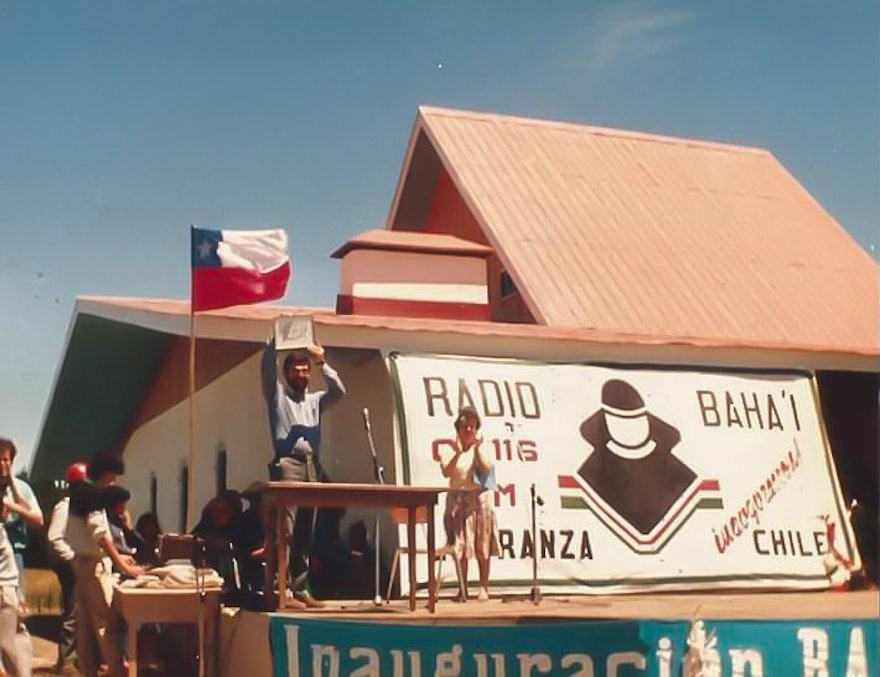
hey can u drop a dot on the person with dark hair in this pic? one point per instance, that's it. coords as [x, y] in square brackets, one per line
[23, 509]
[295, 425]
[147, 527]
[20, 510]
[88, 534]
[220, 526]
[252, 545]
[61, 558]
[116, 500]
[470, 514]
[361, 562]
[105, 467]
[220, 516]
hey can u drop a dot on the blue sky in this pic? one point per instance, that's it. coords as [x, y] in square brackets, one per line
[123, 122]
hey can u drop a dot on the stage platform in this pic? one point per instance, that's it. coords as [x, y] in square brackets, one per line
[668, 606]
[245, 646]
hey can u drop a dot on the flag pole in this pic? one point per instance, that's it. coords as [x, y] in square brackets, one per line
[191, 462]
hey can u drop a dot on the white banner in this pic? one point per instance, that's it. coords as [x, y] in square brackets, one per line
[650, 479]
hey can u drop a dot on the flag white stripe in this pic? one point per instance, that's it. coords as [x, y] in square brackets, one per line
[258, 250]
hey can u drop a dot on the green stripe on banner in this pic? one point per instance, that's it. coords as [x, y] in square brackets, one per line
[574, 502]
[710, 503]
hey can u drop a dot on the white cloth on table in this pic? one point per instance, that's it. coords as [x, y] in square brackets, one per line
[176, 576]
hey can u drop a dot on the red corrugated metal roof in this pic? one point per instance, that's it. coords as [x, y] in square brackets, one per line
[399, 240]
[635, 234]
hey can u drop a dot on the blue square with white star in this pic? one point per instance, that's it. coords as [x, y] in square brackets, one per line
[204, 247]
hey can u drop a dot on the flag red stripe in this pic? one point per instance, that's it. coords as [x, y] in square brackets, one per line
[219, 287]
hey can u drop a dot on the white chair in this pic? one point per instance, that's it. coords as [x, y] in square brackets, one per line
[398, 517]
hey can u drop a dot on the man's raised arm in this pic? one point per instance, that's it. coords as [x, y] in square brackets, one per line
[335, 386]
[269, 371]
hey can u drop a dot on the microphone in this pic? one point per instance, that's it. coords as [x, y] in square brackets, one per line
[366, 414]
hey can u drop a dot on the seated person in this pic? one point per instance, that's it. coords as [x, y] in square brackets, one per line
[361, 563]
[119, 520]
[221, 524]
[251, 547]
[148, 529]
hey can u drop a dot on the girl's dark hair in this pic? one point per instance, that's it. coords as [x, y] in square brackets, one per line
[105, 462]
[114, 495]
[147, 519]
[467, 413]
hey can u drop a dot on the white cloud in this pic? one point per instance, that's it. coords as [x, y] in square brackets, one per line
[618, 36]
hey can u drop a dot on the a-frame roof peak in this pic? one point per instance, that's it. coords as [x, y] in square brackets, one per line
[630, 232]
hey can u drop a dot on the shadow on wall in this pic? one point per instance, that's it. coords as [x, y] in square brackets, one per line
[850, 407]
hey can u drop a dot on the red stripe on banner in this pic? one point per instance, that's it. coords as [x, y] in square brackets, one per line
[710, 485]
[219, 287]
[568, 482]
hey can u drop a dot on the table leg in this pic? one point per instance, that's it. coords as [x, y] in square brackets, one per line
[133, 649]
[212, 619]
[269, 552]
[432, 583]
[282, 541]
[411, 555]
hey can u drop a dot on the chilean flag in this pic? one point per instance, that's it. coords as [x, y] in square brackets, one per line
[237, 267]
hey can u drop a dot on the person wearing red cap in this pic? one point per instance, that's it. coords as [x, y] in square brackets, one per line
[61, 555]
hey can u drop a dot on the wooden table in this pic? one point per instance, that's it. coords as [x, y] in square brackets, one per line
[168, 605]
[280, 495]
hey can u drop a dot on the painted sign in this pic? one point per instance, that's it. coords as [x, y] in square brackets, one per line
[315, 648]
[646, 478]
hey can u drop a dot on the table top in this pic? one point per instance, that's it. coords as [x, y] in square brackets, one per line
[161, 592]
[342, 494]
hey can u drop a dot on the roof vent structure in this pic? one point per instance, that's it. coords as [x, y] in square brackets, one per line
[407, 274]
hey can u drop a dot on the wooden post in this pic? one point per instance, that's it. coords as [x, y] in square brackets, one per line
[191, 463]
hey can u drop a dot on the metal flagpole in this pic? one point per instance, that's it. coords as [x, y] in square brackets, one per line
[191, 462]
[198, 549]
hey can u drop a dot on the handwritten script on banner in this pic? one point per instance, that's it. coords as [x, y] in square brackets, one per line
[650, 478]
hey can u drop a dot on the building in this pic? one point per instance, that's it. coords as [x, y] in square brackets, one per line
[507, 238]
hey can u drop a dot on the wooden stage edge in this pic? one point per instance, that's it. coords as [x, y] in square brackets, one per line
[244, 646]
[863, 604]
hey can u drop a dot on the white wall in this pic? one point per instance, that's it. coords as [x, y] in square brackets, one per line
[231, 411]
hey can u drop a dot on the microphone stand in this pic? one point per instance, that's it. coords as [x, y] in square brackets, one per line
[535, 592]
[379, 471]
[535, 500]
[201, 562]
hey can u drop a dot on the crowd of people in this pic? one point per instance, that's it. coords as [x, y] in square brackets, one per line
[93, 540]
[90, 537]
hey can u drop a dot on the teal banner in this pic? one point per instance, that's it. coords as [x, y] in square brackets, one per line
[304, 647]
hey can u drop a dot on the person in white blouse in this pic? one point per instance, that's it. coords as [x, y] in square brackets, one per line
[470, 513]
